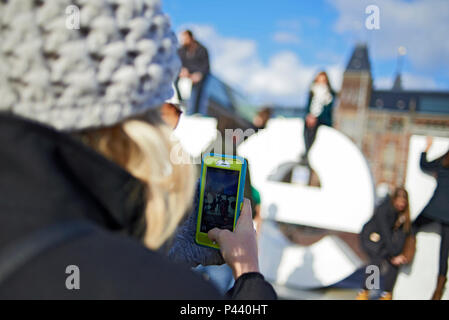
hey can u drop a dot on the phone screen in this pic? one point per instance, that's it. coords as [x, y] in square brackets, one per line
[220, 199]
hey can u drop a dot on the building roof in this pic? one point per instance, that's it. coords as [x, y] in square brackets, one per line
[427, 102]
[359, 60]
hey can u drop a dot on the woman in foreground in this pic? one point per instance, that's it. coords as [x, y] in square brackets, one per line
[90, 195]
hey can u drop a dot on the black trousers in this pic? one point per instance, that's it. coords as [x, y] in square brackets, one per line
[197, 92]
[389, 273]
[309, 136]
[422, 221]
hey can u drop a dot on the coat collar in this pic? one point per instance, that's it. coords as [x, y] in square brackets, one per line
[57, 177]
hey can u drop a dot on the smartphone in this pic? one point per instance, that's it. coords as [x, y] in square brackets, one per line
[221, 195]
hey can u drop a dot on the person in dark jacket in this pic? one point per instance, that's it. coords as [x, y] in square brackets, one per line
[437, 211]
[383, 238]
[91, 202]
[318, 110]
[195, 66]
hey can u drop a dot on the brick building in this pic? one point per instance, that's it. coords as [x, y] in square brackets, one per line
[381, 122]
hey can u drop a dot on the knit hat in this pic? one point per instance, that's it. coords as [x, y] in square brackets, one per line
[121, 61]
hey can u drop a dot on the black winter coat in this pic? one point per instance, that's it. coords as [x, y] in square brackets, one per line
[390, 242]
[438, 207]
[198, 61]
[49, 178]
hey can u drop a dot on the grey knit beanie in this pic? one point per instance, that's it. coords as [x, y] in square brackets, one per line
[120, 62]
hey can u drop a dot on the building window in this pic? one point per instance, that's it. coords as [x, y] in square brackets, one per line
[396, 125]
[400, 104]
[389, 156]
[372, 125]
[389, 161]
[437, 105]
[379, 103]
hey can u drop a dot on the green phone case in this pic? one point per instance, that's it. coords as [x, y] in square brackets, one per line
[224, 162]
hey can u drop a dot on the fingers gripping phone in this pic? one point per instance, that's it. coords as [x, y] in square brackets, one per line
[221, 195]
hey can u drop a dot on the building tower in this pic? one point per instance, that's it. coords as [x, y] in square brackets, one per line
[354, 97]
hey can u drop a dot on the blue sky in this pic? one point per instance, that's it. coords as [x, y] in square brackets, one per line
[271, 49]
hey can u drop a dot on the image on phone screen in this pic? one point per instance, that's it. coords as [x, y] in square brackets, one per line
[220, 198]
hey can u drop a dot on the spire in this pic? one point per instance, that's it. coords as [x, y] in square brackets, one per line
[397, 85]
[359, 60]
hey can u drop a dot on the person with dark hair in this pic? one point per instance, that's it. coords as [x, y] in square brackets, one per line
[261, 118]
[195, 66]
[318, 110]
[171, 111]
[437, 211]
[383, 238]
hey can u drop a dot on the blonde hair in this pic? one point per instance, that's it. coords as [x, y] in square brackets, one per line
[143, 148]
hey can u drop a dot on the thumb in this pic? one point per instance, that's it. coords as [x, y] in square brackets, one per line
[214, 234]
[246, 217]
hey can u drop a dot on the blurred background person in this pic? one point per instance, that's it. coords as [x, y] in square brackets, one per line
[171, 111]
[260, 120]
[257, 209]
[383, 238]
[437, 211]
[318, 110]
[195, 66]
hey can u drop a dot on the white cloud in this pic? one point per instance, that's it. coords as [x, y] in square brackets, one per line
[412, 81]
[284, 79]
[409, 82]
[290, 24]
[421, 26]
[383, 83]
[284, 37]
[298, 24]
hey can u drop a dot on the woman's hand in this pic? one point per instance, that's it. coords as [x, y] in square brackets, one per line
[311, 121]
[239, 248]
[196, 77]
[399, 260]
[429, 142]
[184, 73]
